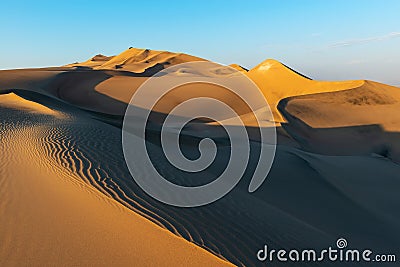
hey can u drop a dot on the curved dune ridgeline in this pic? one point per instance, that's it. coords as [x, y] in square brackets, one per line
[66, 195]
[52, 214]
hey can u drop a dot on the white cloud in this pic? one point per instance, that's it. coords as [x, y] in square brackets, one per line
[365, 40]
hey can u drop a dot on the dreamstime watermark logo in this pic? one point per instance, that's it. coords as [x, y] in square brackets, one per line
[207, 97]
[340, 253]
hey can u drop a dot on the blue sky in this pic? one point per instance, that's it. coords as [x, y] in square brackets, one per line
[322, 39]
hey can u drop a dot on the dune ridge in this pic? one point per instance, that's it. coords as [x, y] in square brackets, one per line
[137, 60]
[277, 82]
[353, 121]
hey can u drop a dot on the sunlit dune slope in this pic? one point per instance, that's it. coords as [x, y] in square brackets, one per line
[13, 101]
[93, 62]
[138, 60]
[239, 68]
[277, 82]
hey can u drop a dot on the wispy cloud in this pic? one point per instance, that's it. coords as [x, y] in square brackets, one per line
[365, 40]
[356, 62]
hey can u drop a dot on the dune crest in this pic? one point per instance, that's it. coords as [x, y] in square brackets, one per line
[137, 60]
[16, 102]
[239, 68]
[354, 121]
[277, 82]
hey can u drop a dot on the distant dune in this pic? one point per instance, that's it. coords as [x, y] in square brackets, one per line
[239, 68]
[137, 60]
[67, 197]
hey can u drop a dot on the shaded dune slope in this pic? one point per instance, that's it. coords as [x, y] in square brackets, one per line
[362, 120]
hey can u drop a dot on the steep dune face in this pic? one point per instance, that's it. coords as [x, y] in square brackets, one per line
[277, 82]
[76, 87]
[371, 103]
[32, 79]
[362, 120]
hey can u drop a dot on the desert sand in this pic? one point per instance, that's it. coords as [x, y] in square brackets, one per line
[67, 196]
[50, 216]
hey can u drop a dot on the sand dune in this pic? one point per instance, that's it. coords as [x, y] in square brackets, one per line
[370, 103]
[49, 216]
[137, 60]
[277, 82]
[67, 195]
[93, 62]
[354, 121]
[13, 101]
[239, 68]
